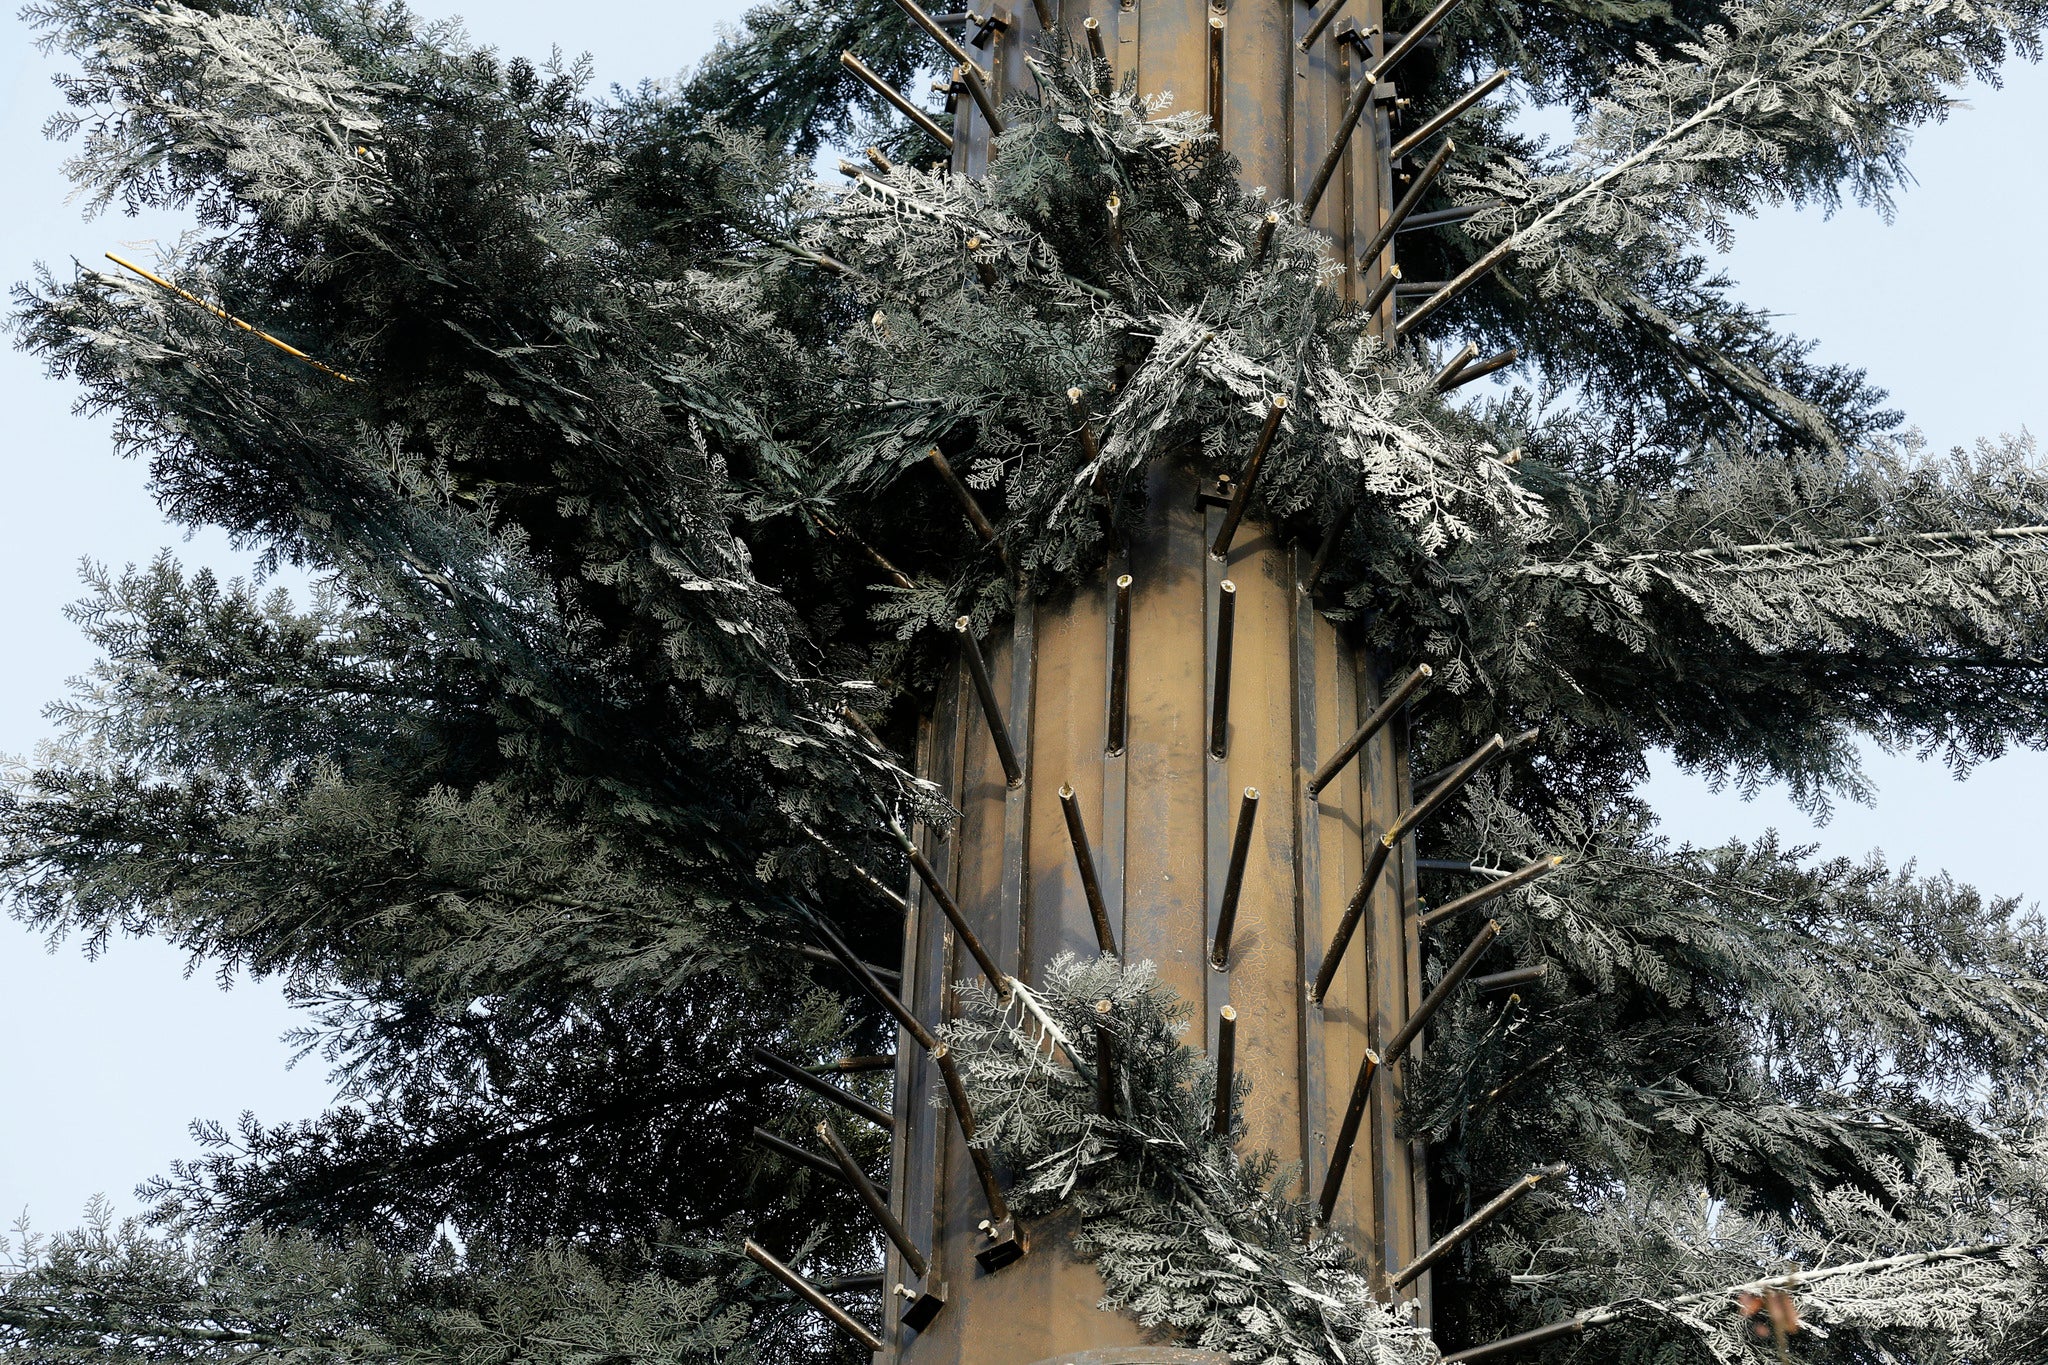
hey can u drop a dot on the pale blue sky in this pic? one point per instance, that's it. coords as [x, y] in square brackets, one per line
[105, 1063]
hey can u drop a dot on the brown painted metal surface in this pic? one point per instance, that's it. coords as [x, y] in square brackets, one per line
[1162, 811]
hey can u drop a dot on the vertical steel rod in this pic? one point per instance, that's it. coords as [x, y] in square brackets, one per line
[1226, 631]
[1084, 857]
[1360, 737]
[1216, 75]
[1120, 668]
[1006, 753]
[891, 1226]
[812, 1295]
[1226, 1070]
[1242, 497]
[1233, 881]
[1106, 72]
[1105, 1060]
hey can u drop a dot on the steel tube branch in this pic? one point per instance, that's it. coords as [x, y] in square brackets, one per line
[1449, 113]
[1498, 1205]
[1500, 886]
[895, 97]
[977, 667]
[1233, 881]
[1241, 499]
[1226, 1070]
[1120, 668]
[1372, 725]
[977, 86]
[852, 1104]
[969, 940]
[1084, 858]
[812, 1295]
[1406, 207]
[1226, 636]
[891, 1226]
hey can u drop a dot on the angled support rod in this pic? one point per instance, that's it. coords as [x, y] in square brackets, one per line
[1570, 1327]
[1327, 548]
[1455, 975]
[1483, 368]
[1361, 97]
[790, 1151]
[1347, 1135]
[1120, 669]
[1106, 72]
[846, 1066]
[1428, 783]
[1383, 848]
[879, 993]
[1466, 278]
[1084, 858]
[1006, 752]
[977, 86]
[1505, 981]
[1226, 637]
[949, 907]
[1105, 1059]
[1448, 114]
[1226, 1071]
[1361, 1088]
[1241, 499]
[891, 1226]
[1498, 1205]
[1233, 881]
[1418, 222]
[1447, 377]
[888, 92]
[852, 1104]
[1322, 21]
[811, 1294]
[817, 954]
[1405, 209]
[1005, 1244]
[1520, 877]
[1389, 282]
[1374, 723]
[969, 504]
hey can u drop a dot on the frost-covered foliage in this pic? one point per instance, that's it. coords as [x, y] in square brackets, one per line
[1111, 251]
[1188, 1234]
[627, 511]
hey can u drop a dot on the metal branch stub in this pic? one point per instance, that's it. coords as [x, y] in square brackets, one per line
[999, 733]
[812, 1295]
[1242, 497]
[1233, 881]
[1226, 1072]
[1226, 636]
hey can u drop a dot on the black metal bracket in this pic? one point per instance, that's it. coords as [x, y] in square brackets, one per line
[1005, 1244]
[1226, 491]
[922, 1304]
